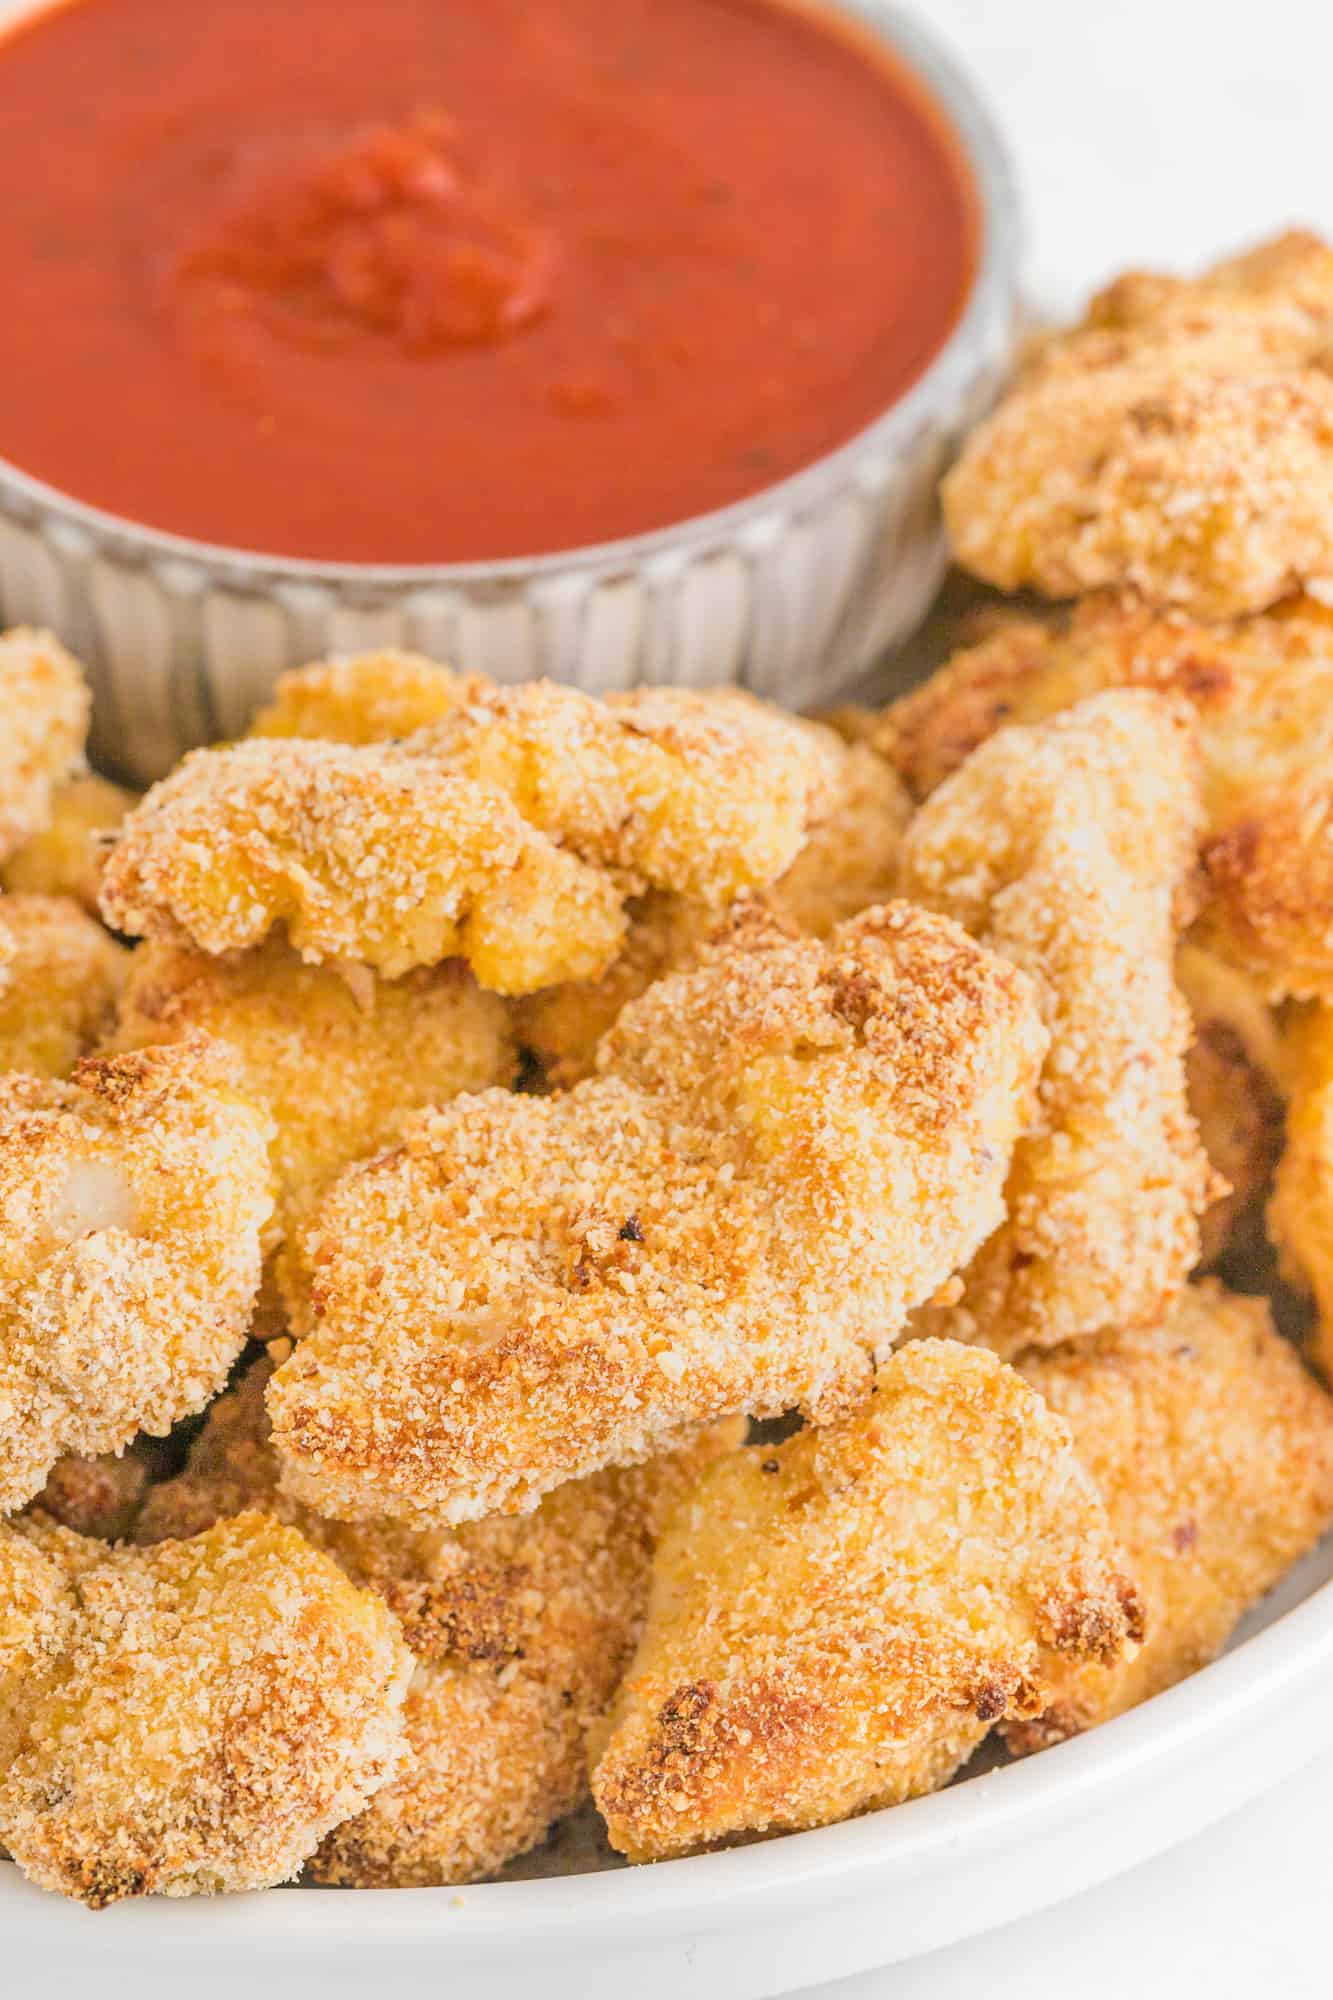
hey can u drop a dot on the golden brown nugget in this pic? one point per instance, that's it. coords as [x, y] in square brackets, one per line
[835, 1624]
[1300, 1214]
[94, 1496]
[336, 1060]
[849, 863]
[134, 1199]
[60, 975]
[192, 1718]
[361, 698]
[1180, 444]
[65, 859]
[1262, 692]
[1213, 1451]
[521, 1629]
[509, 834]
[784, 1150]
[1066, 847]
[1233, 1073]
[45, 707]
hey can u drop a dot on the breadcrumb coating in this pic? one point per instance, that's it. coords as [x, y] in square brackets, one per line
[94, 1496]
[509, 835]
[521, 1629]
[1233, 1072]
[1213, 1451]
[65, 859]
[1067, 847]
[133, 1201]
[361, 698]
[335, 1057]
[835, 1624]
[60, 975]
[1180, 443]
[45, 706]
[191, 1718]
[1300, 1214]
[849, 863]
[784, 1150]
[1262, 692]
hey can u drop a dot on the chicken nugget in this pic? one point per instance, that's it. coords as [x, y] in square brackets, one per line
[46, 707]
[1066, 847]
[835, 1624]
[1181, 444]
[335, 1057]
[520, 1629]
[1262, 692]
[849, 863]
[1233, 1072]
[361, 698]
[1213, 1451]
[94, 1496]
[191, 1718]
[785, 1149]
[134, 1198]
[65, 859]
[509, 834]
[1300, 1214]
[60, 975]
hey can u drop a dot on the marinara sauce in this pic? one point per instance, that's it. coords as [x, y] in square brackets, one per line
[414, 281]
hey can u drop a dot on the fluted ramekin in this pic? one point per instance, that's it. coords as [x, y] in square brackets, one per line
[791, 592]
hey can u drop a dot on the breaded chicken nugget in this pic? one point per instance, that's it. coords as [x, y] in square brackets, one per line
[335, 1061]
[509, 834]
[1181, 444]
[1066, 847]
[1213, 1451]
[1235, 1092]
[362, 698]
[45, 707]
[1300, 1214]
[1262, 692]
[59, 977]
[65, 859]
[835, 1624]
[191, 1718]
[94, 1496]
[785, 1149]
[520, 1628]
[849, 863]
[133, 1201]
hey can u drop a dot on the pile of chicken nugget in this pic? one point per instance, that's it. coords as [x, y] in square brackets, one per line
[660, 1252]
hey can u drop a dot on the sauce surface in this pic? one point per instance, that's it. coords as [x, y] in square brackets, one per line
[414, 281]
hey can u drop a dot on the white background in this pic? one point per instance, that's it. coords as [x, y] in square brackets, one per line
[1158, 132]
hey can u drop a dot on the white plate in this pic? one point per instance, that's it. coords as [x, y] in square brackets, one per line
[755, 1921]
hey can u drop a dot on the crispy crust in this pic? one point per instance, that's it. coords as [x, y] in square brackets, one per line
[134, 1198]
[509, 834]
[520, 1628]
[335, 1057]
[45, 707]
[784, 1150]
[835, 1624]
[1213, 1450]
[65, 859]
[60, 975]
[189, 1719]
[1067, 847]
[1233, 1072]
[1181, 444]
[361, 698]
[849, 863]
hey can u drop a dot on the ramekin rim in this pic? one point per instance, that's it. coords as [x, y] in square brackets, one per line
[991, 298]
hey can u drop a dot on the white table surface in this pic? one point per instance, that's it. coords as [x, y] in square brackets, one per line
[1157, 132]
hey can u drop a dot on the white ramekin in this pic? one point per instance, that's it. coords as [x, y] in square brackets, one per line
[792, 592]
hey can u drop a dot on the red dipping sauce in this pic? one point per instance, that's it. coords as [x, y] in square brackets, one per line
[420, 281]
